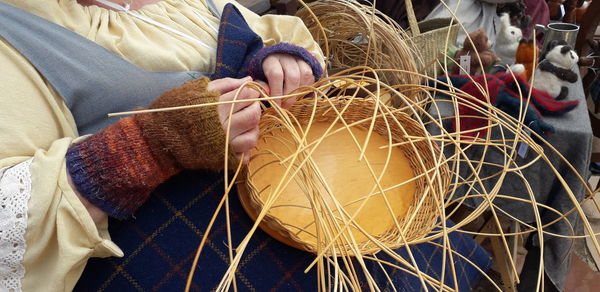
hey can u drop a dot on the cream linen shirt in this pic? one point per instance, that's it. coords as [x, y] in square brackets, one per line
[34, 121]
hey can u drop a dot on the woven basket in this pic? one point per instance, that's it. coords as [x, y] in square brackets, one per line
[358, 35]
[291, 219]
[431, 38]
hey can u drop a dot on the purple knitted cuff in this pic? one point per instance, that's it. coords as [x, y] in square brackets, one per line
[255, 67]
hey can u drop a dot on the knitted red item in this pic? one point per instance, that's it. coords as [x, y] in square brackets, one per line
[507, 92]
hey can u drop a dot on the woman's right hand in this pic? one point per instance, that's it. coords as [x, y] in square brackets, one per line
[243, 131]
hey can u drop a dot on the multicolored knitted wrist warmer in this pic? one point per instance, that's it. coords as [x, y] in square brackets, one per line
[255, 67]
[117, 168]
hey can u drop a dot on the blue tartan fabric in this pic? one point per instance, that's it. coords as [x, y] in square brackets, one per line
[429, 259]
[160, 243]
[237, 44]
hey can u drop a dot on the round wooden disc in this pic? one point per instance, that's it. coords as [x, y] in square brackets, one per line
[334, 177]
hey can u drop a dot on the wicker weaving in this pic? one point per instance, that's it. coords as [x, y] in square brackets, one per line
[331, 183]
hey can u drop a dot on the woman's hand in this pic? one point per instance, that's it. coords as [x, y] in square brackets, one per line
[285, 73]
[243, 132]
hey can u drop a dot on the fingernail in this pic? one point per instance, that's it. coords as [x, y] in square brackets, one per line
[247, 78]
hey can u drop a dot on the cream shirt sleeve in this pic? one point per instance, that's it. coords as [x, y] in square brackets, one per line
[47, 235]
[156, 49]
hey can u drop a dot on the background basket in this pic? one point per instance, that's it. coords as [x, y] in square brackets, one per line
[431, 37]
[353, 34]
[423, 156]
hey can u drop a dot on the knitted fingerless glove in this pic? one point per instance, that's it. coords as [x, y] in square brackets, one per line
[117, 168]
[255, 67]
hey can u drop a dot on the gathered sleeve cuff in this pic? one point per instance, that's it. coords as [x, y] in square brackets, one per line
[53, 235]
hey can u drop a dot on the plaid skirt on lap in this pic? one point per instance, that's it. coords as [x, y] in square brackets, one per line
[161, 242]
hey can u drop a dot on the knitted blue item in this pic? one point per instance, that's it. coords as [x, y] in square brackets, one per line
[77, 171]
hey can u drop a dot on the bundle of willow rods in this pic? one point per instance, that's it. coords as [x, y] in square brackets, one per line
[331, 264]
[456, 158]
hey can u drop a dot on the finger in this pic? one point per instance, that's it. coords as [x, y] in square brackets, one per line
[239, 104]
[267, 90]
[274, 73]
[265, 86]
[306, 73]
[291, 73]
[246, 157]
[245, 142]
[306, 78]
[244, 120]
[225, 85]
[288, 102]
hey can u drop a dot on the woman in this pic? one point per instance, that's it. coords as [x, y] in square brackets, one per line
[473, 14]
[57, 187]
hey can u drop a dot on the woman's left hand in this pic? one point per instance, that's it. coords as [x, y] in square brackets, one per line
[285, 73]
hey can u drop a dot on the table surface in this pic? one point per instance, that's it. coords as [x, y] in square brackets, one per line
[573, 139]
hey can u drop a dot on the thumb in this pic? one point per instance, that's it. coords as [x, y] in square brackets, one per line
[225, 85]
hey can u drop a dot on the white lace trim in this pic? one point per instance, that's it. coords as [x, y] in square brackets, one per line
[15, 190]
